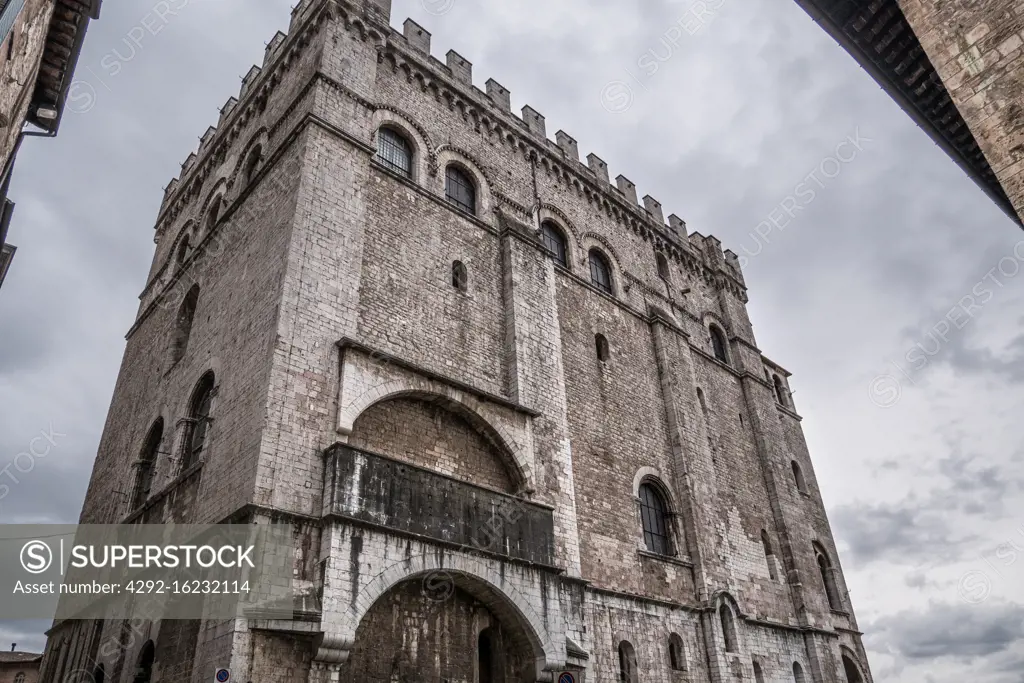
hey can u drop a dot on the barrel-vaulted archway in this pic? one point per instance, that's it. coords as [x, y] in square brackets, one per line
[457, 581]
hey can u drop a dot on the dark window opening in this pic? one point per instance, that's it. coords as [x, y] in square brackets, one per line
[144, 671]
[214, 215]
[852, 671]
[798, 478]
[460, 190]
[676, 653]
[394, 152]
[780, 391]
[663, 271]
[603, 351]
[627, 663]
[555, 242]
[146, 465]
[183, 324]
[253, 163]
[758, 674]
[828, 578]
[769, 555]
[486, 657]
[184, 249]
[728, 628]
[798, 672]
[654, 520]
[199, 413]
[718, 344]
[460, 277]
[600, 271]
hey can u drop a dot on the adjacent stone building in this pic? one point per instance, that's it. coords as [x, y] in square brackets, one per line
[957, 68]
[518, 424]
[40, 41]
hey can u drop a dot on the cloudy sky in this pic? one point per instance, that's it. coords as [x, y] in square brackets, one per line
[911, 393]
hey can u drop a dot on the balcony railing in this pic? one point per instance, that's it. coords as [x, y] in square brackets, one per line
[376, 490]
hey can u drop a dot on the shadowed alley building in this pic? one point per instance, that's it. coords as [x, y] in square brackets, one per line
[957, 68]
[517, 422]
[40, 41]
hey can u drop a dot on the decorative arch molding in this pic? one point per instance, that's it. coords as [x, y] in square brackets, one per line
[218, 192]
[546, 212]
[392, 117]
[710, 317]
[590, 240]
[450, 154]
[847, 653]
[482, 578]
[512, 435]
[262, 138]
[724, 597]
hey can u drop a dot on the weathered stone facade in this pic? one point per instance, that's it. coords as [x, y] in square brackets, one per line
[461, 451]
[977, 47]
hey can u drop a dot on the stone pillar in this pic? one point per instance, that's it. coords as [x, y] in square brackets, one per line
[693, 470]
[533, 347]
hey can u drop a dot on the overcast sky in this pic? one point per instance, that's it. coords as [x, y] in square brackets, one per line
[912, 405]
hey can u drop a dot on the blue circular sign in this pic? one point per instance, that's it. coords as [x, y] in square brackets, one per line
[567, 678]
[223, 675]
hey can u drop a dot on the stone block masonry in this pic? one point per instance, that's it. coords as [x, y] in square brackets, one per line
[479, 382]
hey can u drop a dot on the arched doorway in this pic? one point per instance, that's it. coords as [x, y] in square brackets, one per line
[442, 626]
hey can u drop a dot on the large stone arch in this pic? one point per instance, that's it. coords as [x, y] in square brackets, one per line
[517, 451]
[479, 577]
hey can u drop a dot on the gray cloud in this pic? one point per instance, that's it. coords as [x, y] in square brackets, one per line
[959, 631]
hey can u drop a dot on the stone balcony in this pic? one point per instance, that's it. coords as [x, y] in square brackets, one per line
[373, 490]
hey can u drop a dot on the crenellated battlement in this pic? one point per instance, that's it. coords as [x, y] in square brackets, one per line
[491, 109]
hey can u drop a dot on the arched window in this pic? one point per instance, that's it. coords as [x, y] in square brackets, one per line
[99, 674]
[603, 352]
[184, 250]
[19, 677]
[662, 266]
[252, 164]
[146, 464]
[703, 401]
[758, 674]
[828, 577]
[798, 478]
[718, 343]
[798, 672]
[394, 151]
[459, 189]
[460, 277]
[728, 628]
[654, 519]
[213, 215]
[183, 324]
[600, 271]
[780, 391]
[769, 554]
[554, 241]
[199, 414]
[144, 671]
[676, 653]
[627, 663]
[851, 670]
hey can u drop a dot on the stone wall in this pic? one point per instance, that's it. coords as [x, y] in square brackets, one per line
[977, 47]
